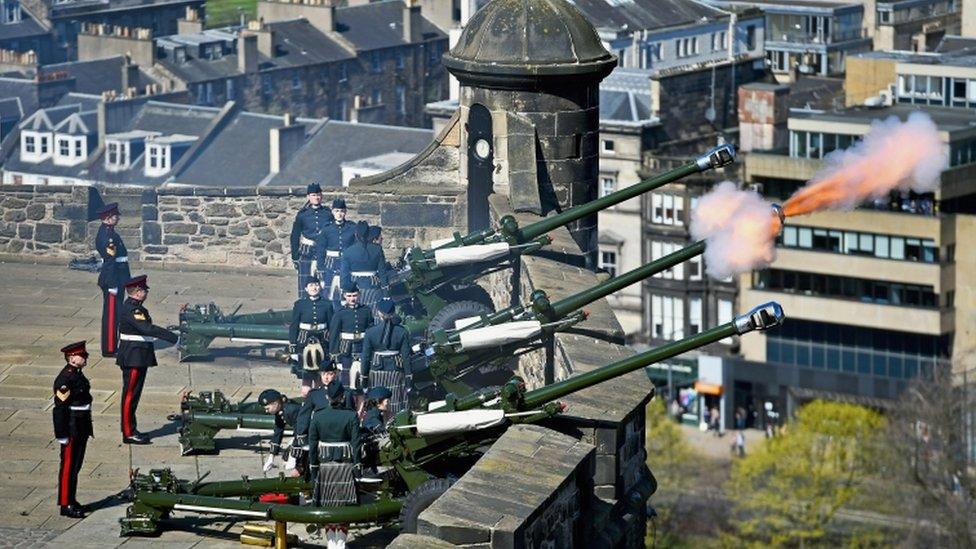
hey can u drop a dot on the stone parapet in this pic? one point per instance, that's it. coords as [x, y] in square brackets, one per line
[531, 489]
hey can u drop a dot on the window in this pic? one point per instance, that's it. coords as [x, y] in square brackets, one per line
[843, 287]
[29, 144]
[266, 84]
[154, 157]
[661, 249]
[296, 81]
[400, 59]
[433, 53]
[607, 185]
[607, 146]
[343, 74]
[719, 41]
[401, 99]
[375, 61]
[64, 147]
[694, 315]
[751, 38]
[376, 98]
[608, 262]
[725, 315]
[667, 209]
[11, 11]
[884, 17]
[859, 243]
[117, 154]
[229, 89]
[667, 317]
[694, 268]
[45, 144]
[78, 149]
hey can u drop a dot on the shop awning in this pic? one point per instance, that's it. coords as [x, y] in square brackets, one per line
[713, 389]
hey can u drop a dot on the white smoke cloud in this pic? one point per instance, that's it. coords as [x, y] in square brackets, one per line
[739, 229]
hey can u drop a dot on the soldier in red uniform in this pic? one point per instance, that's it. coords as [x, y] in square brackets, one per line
[72, 425]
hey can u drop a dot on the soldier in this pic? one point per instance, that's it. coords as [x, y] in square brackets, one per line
[286, 414]
[311, 220]
[137, 353]
[334, 443]
[346, 333]
[386, 355]
[321, 398]
[377, 410]
[336, 237]
[310, 320]
[364, 264]
[115, 271]
[72, 425]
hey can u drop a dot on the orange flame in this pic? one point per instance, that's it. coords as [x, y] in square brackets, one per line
[893, 155]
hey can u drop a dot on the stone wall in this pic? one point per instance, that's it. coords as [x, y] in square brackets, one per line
[234, 227]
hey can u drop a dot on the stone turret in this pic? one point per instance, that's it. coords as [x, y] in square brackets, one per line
[530, 72]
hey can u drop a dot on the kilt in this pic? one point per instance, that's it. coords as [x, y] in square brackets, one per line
[336, 482]
[396, 382]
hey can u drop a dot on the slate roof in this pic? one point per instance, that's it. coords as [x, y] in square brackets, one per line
[11, 108]
[378, 25]
[237, 156]
[955, 43]
[25, 90]
[646, 14]
[625, 97]
[80, 7]
[48, 119]
[79, 123]
[97, 75]
[27, 26]
[320, 160]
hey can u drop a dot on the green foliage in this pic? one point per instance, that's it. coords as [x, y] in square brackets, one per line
[224, 12]
[787, 492]
[668, 453]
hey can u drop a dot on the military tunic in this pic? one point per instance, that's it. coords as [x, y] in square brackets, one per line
[365, 265]
[286, 416]
[136, 353]
[346, 332]
[386, 360]
[305, 235]
[72, 422]
[336, 237]
[334, 443]
[309, 320]
[114, 273]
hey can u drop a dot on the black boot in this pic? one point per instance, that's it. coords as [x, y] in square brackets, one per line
[84, 508]
[136, 438]
[72, 511]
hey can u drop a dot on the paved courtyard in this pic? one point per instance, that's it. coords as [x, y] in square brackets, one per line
[43, 307]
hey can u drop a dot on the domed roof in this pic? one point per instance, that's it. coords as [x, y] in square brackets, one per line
[512, 40]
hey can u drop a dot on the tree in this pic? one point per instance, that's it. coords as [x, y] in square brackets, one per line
[929, 433]
[789, 491]
[671, 460]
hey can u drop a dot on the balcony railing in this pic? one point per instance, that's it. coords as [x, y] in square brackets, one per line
[805, 38]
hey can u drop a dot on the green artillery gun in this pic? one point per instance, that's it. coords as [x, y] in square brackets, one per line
[422, 452]
[487, 341]
[427, 280]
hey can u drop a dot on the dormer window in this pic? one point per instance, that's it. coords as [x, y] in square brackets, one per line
[179, 55]
[35, 146]
[117, 155]
[70, 149]
[163, 152]
[157, 159]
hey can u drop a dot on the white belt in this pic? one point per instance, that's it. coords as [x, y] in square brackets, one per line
[351, 336]
[335, 445]
[306, 241]
[131, 337]
[113, 291]
[333, 253]
[386, 353]
[84, 408]
[123, 259]
[363, 273]
[307, 326]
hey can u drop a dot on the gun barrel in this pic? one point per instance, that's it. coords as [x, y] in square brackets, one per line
[234, 421]
[715, 158]
[371, 512]
[762, 317]
[233, 329]
[566, 306]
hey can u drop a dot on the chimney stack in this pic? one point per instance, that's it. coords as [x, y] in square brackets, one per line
[412, 22]
[130, 73]
[285, 142]
[247, 53]
[191, 23]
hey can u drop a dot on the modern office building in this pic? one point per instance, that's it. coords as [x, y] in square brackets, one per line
[877, 296]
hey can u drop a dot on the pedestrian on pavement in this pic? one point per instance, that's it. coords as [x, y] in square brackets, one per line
[136, 354]
[72, 425]
[114, 273]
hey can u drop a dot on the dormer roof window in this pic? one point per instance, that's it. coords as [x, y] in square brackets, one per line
[122, 150]
[73, 138]
[35, 146]
[162, 153]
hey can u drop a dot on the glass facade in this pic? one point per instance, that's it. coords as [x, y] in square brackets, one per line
[852, 349]
[880, 292]
[883, 246]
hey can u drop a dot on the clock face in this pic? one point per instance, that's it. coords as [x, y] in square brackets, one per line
[482, 149]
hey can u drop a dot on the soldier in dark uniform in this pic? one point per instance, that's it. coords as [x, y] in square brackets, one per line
[72, 425]
[346, 333]
[137, 352]
[336, 237]
[309, 324]
[115, 271]
[286, 414]
[365, 265]
[311, 220]
[386, 355]
[377, 410]
[334, 446]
